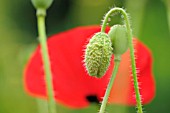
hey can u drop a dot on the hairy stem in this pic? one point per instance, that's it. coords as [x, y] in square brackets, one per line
[109, 87]
[133, 62]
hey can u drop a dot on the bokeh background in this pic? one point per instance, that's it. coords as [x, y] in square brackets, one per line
[18, 38]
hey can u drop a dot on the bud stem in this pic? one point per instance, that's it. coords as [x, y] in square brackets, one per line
[109, 87]
[133, 62]
[44, 51]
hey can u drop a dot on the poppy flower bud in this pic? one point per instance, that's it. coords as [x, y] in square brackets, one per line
[118, 35]
[98, 54]
[42, 4]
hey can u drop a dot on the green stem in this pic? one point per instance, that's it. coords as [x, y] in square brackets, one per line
[109, 87]
[133, 63]
[44, 51]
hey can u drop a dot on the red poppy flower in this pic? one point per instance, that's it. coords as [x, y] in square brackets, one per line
[72, 85]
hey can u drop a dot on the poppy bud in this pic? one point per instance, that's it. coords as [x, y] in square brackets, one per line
[118, 35]
[98, 54]
[42, 4]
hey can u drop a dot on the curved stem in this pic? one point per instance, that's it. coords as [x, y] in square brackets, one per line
[109, 87]
[133, 62]
[44, 51]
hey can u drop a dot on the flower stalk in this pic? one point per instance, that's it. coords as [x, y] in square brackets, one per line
[41, 6]
[109, 87]
[133, 62]
[45, 57]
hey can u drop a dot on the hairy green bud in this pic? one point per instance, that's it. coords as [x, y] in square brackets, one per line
[98, 54]
[118, 35]
[42, 4]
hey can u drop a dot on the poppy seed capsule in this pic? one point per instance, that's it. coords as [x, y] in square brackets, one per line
[118, 35]
[42, 4]
[98, 54]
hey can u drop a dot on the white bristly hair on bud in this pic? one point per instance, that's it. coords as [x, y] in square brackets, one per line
[98, 54]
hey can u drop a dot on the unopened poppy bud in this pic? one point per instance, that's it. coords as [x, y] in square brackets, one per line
[42, 4]
[118, 35]
[98, 54]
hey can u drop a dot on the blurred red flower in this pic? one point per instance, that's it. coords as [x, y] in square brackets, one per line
[73, 86]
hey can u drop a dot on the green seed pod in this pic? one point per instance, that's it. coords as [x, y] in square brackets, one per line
[98, 54]
[118, 35]
[42, 4]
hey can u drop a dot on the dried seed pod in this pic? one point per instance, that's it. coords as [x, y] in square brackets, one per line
[118, 35]
[98, 54]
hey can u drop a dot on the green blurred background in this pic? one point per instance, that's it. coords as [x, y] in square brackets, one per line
[18, 38]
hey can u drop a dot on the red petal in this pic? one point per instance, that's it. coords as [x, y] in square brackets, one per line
[71, 82]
